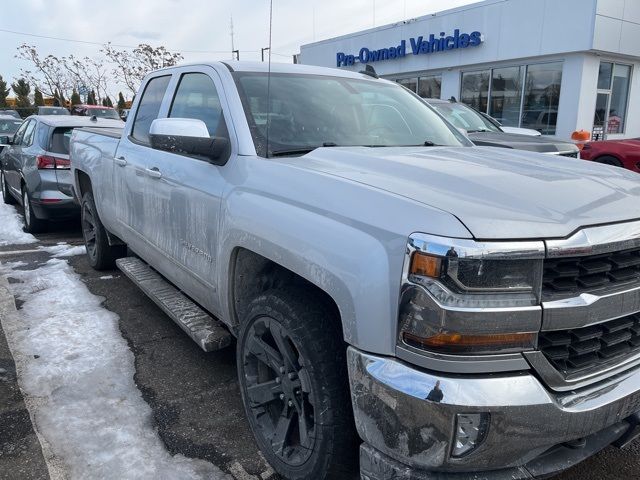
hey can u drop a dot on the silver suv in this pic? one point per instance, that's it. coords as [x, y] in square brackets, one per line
[35, 168]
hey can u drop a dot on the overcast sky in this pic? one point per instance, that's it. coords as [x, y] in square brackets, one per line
[189, 26]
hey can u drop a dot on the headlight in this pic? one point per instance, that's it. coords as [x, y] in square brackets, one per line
[461, 296]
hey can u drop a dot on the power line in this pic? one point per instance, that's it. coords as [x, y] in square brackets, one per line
[101, 44]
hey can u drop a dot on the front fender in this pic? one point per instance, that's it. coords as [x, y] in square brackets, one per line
[359, 270]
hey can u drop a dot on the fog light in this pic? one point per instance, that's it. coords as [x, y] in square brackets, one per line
[471, 430]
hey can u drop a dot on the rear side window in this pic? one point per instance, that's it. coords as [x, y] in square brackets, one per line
[28, 134]
[149, 107]
[60, 140]
[196, 97]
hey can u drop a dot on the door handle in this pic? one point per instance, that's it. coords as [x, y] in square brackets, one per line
[153, 172]
[121, 161]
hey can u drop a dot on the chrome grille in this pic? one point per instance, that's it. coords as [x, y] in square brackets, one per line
[583, 349]
[575, 275]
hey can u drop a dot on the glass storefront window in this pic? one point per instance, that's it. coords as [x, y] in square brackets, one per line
[506, 95]
[410, 83]
[541, 97]
[475, 89]
[619, 97]
[430, 87]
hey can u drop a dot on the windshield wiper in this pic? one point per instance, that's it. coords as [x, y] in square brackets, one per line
[301, 150]
[479, 130]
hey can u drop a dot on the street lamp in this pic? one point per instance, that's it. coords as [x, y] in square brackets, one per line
[262, 52]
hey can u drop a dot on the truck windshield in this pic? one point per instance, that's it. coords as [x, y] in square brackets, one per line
[311, 111]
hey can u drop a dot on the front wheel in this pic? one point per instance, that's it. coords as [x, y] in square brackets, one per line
[294, 384]
[102, 256]
[609, 160]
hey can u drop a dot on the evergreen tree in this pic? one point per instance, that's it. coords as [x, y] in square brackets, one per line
[108, 101]
[22, 89]
[4, 92]
[75, 98]
[122, 104]
[91, 98]
[104, 102]
[38, 99]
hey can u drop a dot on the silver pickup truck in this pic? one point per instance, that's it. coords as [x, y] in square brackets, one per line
[401, 300]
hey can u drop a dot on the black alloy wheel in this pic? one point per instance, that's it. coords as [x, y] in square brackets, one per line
[294, 384]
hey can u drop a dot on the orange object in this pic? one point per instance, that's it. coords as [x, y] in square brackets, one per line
[457, 340]
[581, 136]
[425, 265]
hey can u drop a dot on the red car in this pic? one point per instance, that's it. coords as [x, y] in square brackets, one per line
[620, 153]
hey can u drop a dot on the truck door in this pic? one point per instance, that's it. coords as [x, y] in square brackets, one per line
[131, 158]
[182, 194]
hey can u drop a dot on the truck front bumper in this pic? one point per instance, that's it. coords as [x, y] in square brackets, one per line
[530, 431]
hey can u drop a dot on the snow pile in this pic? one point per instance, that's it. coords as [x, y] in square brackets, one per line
[63, 249]
[77, 375]
[11, 227]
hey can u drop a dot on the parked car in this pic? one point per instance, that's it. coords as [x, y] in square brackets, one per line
[619, 153]
[8, 127]
[484, 132]
[53, 111]
[11, 113]
[95, 111]
[34, 167]
[475, 310]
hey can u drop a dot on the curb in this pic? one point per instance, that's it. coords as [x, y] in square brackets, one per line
[9, 314]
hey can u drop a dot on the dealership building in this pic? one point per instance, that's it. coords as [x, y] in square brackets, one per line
[552, 65]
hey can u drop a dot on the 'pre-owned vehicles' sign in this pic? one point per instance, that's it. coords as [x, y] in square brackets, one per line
[417, 45]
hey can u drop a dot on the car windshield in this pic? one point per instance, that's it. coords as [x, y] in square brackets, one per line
[103, 113]
[311, 111]
[465, 117]
[9, 127]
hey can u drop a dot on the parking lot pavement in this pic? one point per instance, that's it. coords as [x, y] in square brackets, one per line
[194, 395]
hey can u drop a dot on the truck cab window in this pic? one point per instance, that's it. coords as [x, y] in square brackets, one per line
[149, 107]
[197, 98]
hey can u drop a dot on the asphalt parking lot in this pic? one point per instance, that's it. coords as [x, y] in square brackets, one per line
[194, 395]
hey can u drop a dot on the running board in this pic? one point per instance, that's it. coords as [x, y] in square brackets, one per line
[204, 329]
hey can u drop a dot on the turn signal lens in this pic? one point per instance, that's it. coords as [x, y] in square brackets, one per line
[458, 343]
[425, 265]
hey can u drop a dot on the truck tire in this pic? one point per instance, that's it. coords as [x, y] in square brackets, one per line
[32, 224]
[102, 256]
[6, 194]
[609, 160]
[291, 367]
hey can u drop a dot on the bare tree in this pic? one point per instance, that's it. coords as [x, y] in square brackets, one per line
[49, 73]
[130, 67]
[89, 73]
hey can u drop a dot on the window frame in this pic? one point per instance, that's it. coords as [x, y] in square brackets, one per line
[160, 109]
[32, 134]
[181, 77]
[609, 93]
[525, 71]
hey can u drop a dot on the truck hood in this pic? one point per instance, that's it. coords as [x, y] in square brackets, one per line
[495, 192]
[540, 144]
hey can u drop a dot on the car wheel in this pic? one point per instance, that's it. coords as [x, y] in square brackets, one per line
[609, 160]
[32, 224]
[102, 256]
[294, 383]
[6, 194]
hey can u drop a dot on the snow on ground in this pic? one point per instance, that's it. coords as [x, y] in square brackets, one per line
[11, 227]
[63, 249]
[77, 371]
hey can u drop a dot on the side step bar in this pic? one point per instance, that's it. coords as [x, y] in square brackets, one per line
[204, 329]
